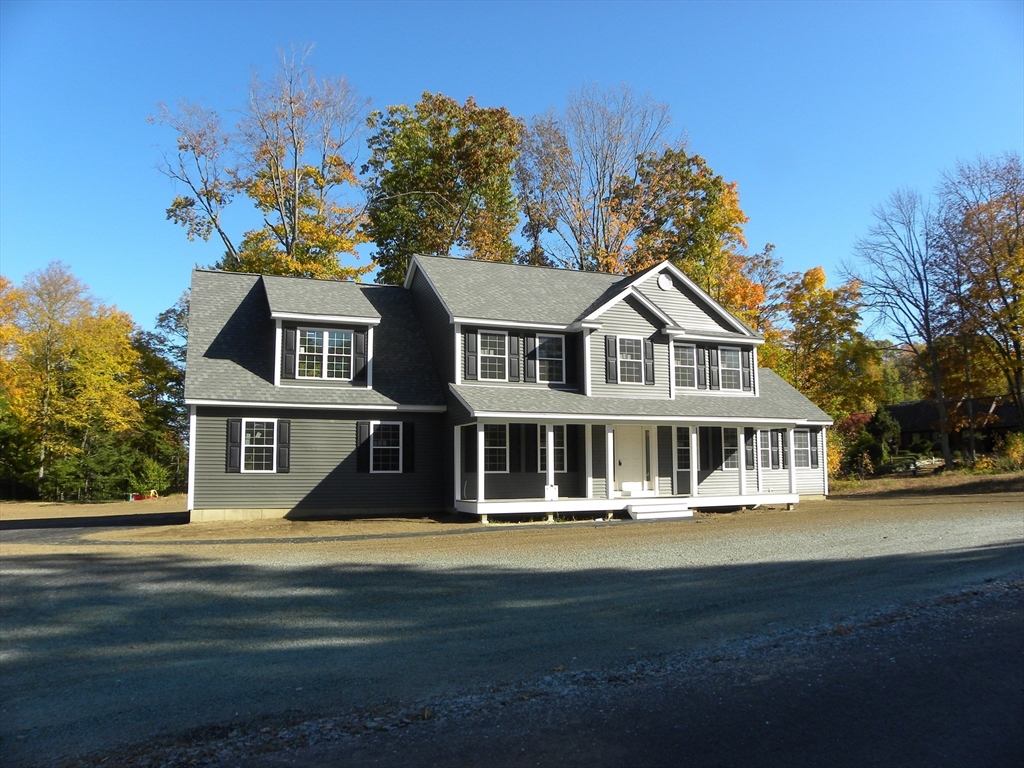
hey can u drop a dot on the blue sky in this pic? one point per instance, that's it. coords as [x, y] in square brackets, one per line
[817, 110]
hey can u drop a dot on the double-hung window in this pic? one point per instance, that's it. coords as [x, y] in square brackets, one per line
[559, 439]
[324, 354]
[683, 448]
[495, 448]
[731, 448]
[386, 446]
[802, 448]
[493, 356]
[631, 360]
[764, 440]
[686, 366]
[259, 446]
[550, 359]
[729, 368]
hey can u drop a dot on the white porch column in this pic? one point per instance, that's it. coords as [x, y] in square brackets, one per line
[694, 461]
[792, 464]
[458, 463]
[609, 456]
[741, 440]
[479, 462]
[588, 430]
[549, 438]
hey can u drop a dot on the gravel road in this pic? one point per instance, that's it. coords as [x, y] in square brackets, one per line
[185, 635]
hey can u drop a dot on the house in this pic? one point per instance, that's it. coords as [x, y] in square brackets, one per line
[993, 417]
[488, 389]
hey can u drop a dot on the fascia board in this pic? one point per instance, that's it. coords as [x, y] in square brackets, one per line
[318, 406]
[681, 334]
[415, 265]
[641, 419]
[489, 323]
[300, 316]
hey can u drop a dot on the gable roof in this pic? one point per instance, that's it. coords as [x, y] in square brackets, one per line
[515, 294]
[512, 293]
[301, 298]
[232, 335]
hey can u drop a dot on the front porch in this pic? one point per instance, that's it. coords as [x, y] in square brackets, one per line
[646, 470]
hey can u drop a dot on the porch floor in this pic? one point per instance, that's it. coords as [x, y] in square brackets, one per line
[618, 504]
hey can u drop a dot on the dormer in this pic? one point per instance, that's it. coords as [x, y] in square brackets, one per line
[323, 333]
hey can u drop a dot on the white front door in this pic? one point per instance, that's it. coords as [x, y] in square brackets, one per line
[629, 459]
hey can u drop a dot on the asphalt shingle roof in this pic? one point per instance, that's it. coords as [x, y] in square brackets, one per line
[303, 296]
[514, 293]
[231, 344]
[777, 400]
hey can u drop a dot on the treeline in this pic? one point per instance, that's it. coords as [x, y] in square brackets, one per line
[91, 406]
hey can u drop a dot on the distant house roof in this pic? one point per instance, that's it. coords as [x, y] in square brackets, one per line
[923, 415]
[231, 342]
[778, 401]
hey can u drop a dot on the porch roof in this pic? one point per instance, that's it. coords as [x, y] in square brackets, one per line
[777, 402]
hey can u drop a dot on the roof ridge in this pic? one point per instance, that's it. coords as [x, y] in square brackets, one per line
[552, 268]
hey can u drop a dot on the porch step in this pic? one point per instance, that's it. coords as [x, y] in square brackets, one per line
[665, 511]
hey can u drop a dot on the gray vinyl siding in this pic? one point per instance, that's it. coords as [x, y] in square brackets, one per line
[751, 480]
[323, 465]
[600, 488]
[774, 481]
[683, 306]
[721, 482]
[811, 482]
[569, 338]
[439, 331]
[625, 320]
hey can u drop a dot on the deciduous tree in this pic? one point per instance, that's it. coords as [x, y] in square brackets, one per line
[440, 182]
[291, 158]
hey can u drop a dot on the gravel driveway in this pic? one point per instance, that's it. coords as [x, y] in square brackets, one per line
[113, 637]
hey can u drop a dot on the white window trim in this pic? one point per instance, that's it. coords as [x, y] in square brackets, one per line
[721, 368]
[618, 360]
[480, 355]
[676, 345]
[542, 445]
[273, 449]
[401, 448]
[485, 447]
[323, 355]
[550, 336]
[806, 450]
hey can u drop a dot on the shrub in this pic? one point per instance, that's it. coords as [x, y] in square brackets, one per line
[1011, 451]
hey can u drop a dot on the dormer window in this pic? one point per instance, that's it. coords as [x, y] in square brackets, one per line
[729, 368]
[550, 359]
[324, 354]
[493, 356]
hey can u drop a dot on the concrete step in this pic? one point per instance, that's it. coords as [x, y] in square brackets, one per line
[665, 511]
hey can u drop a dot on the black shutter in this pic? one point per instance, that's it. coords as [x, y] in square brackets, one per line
[598, 447]
[716, 449]
[359, 357]
[469, 448]
[569, 346]
[530, 354]
[784, 442]
[713, 367]
[576, 438]
[665, 458]
[284, 445]
[611, 363]
[702, 367]
[408, 446]
[530, 445]
[515, 447]
[748, 378]
[469, 354]
[750, 446]
[513, 357]
[233, 461]
[648, 361]
[814, 434]
[776, 449]
[288, 354]
[362, 446]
